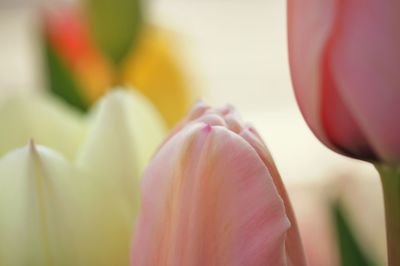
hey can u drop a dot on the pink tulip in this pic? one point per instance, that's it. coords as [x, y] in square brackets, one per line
[212, 196]
[345, 60]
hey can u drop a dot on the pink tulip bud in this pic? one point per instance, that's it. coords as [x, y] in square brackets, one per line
[345, 61]
[212, 196]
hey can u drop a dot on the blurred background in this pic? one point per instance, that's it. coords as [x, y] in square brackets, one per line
[231, 51]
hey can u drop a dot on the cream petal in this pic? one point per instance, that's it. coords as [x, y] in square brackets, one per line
[36, 205]
[91, 220]
[208, 199]
[55, 214]
[105, 223]
[42, 118]
[124, 133]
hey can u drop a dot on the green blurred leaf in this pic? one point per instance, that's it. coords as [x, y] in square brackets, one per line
[60, 79]
[114, 25]
[351, 253]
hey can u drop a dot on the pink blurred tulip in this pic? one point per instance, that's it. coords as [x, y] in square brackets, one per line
[212, 196]
[345, 60]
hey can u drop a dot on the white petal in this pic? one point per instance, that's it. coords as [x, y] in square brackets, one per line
[44, 119]
[124, 133]
[36, 207]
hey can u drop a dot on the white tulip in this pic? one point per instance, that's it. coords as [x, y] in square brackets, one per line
[70, 196]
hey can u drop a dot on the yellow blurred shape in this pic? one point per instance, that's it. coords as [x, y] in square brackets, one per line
[153, 68]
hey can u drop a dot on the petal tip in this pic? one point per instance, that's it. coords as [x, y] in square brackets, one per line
[207, 128]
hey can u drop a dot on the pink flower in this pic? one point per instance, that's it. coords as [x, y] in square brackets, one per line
[212, 196]
[345, 61]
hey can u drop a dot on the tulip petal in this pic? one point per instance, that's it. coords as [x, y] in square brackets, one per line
[55, 214]
[36, 201]
[310, 23]
[293, 244]
[41, 118]
[339, 123]
[365, 60]
[125, 132]
[313, 27]
[208, 199]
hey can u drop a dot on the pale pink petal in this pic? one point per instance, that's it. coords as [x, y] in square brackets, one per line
[208, 199]
[293, 245]
[310, 23]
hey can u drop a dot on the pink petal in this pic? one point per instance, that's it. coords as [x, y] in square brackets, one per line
[339, 124]
[293, 245]
[208, 199]
[344, 60]
[365, 62]
[312, 26]
[310, 23]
